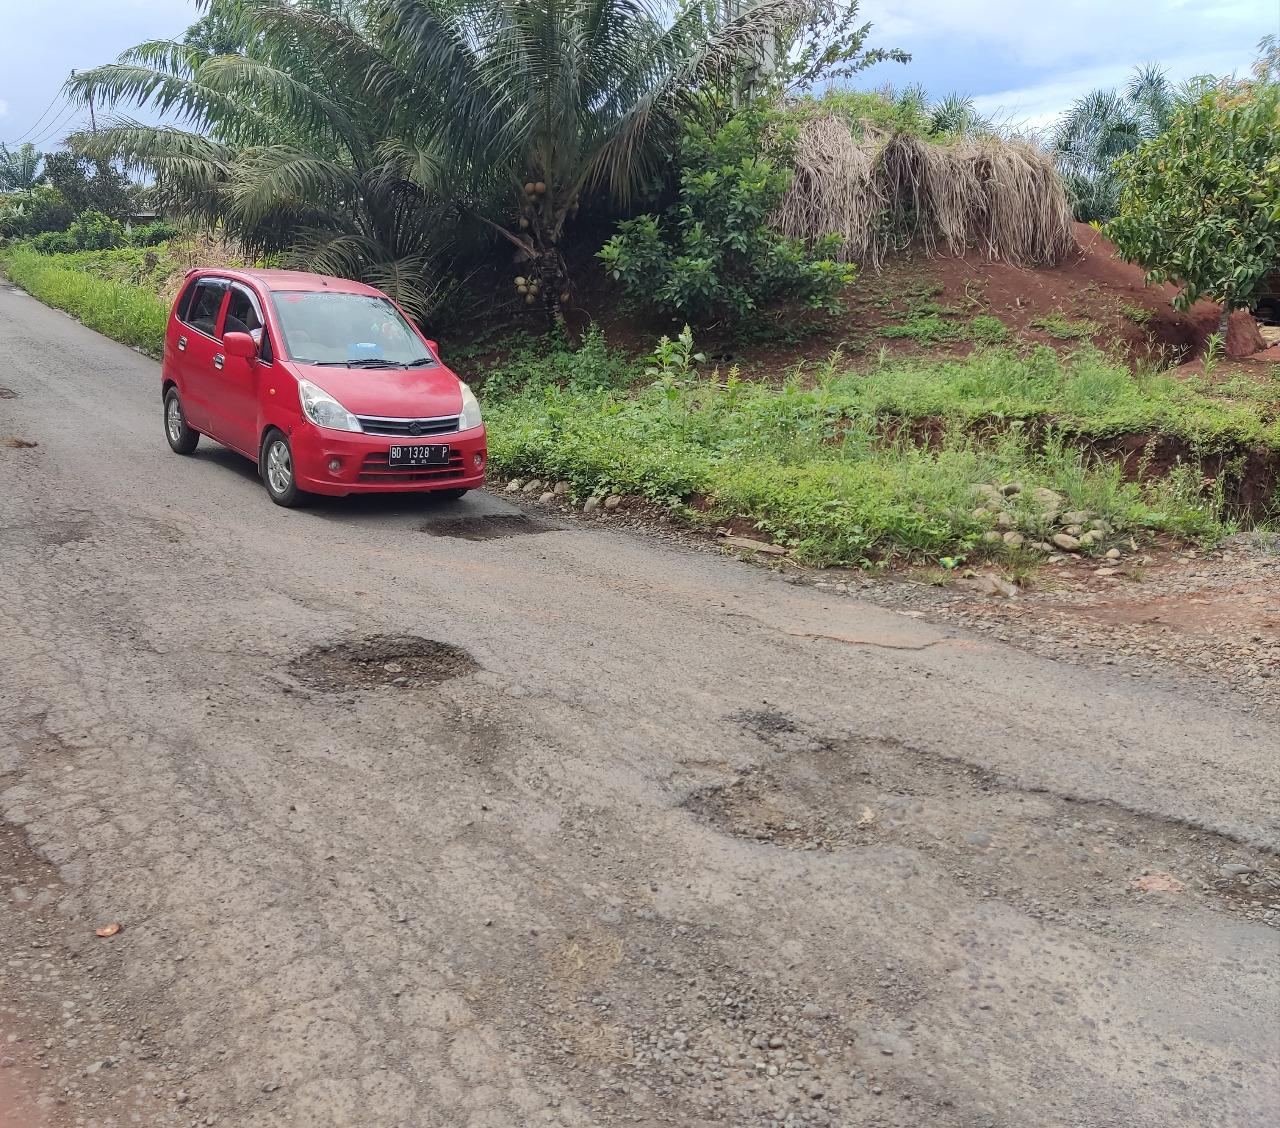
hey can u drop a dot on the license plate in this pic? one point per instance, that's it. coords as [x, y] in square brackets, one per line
[420, 454]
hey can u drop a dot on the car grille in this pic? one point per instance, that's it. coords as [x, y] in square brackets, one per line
[375, 469]
[375, 425]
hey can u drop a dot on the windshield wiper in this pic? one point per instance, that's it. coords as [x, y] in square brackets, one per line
[371, 363]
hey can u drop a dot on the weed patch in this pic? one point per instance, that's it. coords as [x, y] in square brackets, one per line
[808, 463]
[1062, 328]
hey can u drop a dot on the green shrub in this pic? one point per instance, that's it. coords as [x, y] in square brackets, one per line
[538, 363]
[90, 231]
[23, 215]
[119, 310]
[712, 255]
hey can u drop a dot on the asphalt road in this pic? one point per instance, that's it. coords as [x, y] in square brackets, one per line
[663, 839]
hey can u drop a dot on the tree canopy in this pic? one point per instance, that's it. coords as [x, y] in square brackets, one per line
[1200, 204]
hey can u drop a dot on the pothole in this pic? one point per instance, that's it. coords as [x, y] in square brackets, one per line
[1058, 858]
[403, 661]
[764, 722]
[8, 393]
[488, 526]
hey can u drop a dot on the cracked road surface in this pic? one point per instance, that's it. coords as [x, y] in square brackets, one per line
[427, 814]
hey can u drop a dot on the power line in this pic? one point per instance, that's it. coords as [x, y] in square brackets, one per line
[68, 112]
[36, 124]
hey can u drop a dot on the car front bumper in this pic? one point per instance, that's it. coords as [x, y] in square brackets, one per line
[340, 462]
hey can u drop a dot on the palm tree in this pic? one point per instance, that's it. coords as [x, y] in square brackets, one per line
[541, 102]
[1103, 126]
[19, 168]
[275, 139]
[347, 132]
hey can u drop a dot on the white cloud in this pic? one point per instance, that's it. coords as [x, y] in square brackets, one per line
[4, 107]
[1027, 62]
[1073, 31]
[1038, 105]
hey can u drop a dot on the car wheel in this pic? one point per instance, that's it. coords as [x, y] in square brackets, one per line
[181, 437]
[276, 463]
[450, 495]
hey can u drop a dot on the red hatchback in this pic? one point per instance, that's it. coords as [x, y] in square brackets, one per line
[323, 382]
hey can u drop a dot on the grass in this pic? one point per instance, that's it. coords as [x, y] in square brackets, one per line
[123, 310]
[1061, 328]
[826, 463]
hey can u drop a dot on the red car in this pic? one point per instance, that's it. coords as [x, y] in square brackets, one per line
[323, 382]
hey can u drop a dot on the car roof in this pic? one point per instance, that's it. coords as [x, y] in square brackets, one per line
[293, 280]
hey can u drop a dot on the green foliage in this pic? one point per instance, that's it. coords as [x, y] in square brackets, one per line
[549, 362]
[822, 43]
[93, 231]
[129, 313]
[19, 168]
[1104, 126]
[713, 256]
[1062, 328]
[1200, 205]
[812, 465]
[672, 362]
[928, 325]
[892, 110]
[23, 215]
[90, 185]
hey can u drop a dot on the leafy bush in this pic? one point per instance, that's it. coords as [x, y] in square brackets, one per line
[24, 215]
[550, 362]
[93, 231]
[712, 256]
[1200, 204]
[124, 312]
[90, 231]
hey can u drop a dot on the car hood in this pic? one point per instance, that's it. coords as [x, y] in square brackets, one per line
[394, 393]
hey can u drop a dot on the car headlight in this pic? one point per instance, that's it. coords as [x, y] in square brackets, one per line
[470, 416]
[325, 411]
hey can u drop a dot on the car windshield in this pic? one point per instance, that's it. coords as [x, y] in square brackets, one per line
[347, 330]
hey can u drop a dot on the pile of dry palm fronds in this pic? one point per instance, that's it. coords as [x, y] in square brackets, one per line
[886, 189]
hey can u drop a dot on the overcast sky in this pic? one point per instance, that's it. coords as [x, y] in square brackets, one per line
[1025, 60]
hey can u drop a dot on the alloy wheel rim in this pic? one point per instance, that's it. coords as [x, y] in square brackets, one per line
[174, 414]
[279, 467]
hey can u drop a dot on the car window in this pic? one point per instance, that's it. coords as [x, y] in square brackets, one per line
[244, 315]
[347, 329]
[206, 304]
[184, 302]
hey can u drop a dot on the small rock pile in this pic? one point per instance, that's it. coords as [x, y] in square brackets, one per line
[1037, 519]
[548, 491]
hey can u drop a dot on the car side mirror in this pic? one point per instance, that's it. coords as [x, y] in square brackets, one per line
[239, 344]
[435, 349]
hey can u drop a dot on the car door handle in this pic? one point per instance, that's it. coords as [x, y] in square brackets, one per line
[182, 344]
[218, 361]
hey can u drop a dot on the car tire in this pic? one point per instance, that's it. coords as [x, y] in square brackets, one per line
[450, 495]
[181, 437]
[275, 464]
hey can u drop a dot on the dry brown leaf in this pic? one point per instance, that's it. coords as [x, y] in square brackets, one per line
[110, 930]
[1158, 883]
